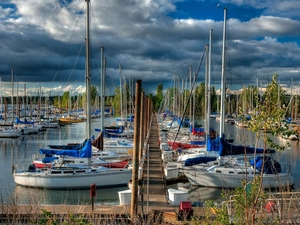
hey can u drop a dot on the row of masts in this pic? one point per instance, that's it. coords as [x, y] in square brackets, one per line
[16, 102]
[179, 109]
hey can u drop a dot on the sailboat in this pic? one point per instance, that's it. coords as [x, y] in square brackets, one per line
[9, 132]
[79, 177]
[232, 173]
[74, 158]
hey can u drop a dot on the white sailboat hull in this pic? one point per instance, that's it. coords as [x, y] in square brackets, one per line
[73, 179]
[50, 125]
[221, 180]
[118, 150]
[10, 133]
[28, 129]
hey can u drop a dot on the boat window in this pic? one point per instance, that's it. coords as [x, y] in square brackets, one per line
[80, 171]
[218, 171]
[69, 171]
[231, 172]
[55, 172]
[243, 172]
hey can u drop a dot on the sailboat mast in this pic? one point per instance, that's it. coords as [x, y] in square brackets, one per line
[25, 100]
[102, 88]
[1, 99]
[278, 95]
[191, 74]
[209, 84]
[194, 100]
[121, 94]
[40, 103]
[206, 91]
[291, 105]
[222, 115]
[12, 94]
[17, 102]
[125, 100]
[87, 69]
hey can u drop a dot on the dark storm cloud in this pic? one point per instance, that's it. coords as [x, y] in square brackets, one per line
[44, 41]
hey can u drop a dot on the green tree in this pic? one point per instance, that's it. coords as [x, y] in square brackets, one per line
[116, 101]
[65, 100]
[200, 100]
[56, 101]
[83, 101]
[158, 98]
[94, 94]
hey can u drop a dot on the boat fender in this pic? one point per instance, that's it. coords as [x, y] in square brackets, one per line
[14, 167]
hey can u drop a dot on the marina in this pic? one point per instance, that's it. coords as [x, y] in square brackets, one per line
[180, 154]
[156, 195]
[20, 150]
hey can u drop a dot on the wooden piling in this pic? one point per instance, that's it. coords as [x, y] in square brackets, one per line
[135, 157]
[142, 113]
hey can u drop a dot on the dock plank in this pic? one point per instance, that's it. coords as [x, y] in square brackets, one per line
[155, 175]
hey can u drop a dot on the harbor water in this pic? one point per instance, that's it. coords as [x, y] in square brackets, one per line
[19, 152]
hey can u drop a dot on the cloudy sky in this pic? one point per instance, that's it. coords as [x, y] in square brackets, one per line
[152, 40]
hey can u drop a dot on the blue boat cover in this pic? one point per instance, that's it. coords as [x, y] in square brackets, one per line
[74, 146]
[199, 160]
[224, 148]
[49, 159]
[198, 142]
[18, 121]
[259, 161]
[84, 152]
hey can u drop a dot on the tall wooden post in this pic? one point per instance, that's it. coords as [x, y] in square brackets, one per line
[147, 115]
[135, 157]
[149, 110]
[12, 95]
[145, 127]
[142, 112]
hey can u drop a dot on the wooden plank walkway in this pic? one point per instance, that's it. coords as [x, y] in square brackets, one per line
[156, 192]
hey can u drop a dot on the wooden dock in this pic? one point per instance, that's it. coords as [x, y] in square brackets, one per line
[154, 200]
[154, 184]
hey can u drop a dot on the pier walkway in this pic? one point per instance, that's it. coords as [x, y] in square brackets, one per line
[154, 184]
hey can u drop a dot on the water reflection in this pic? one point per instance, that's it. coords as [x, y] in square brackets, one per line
[41, 196]
[201, 194]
